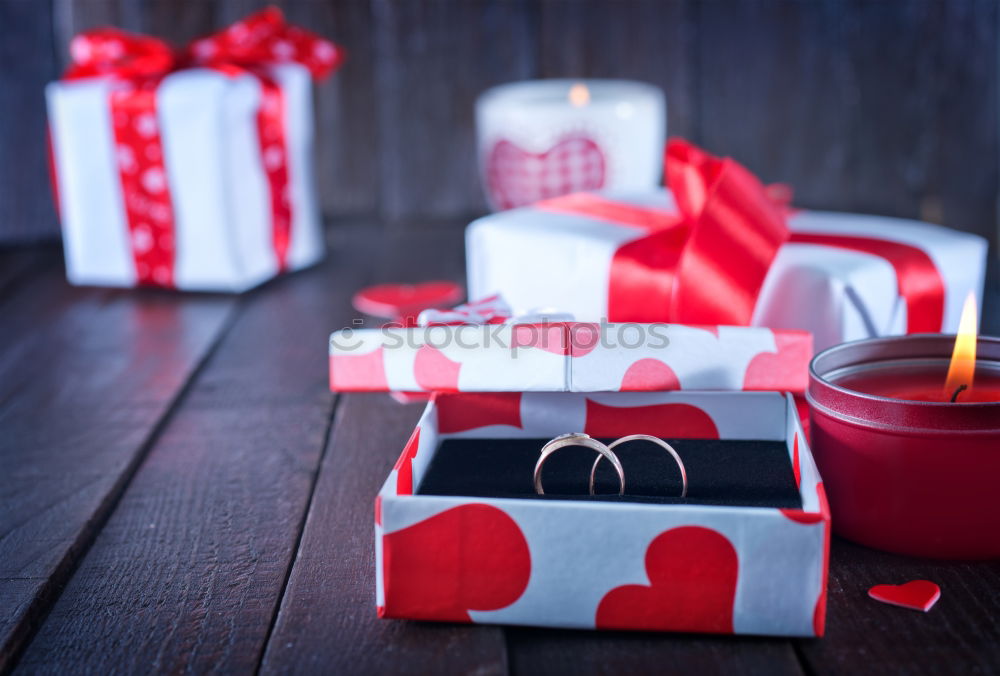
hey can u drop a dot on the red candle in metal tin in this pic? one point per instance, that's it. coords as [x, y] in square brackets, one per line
[905, 468]
[920, 380]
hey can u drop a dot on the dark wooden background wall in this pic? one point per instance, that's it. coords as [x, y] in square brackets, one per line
[888, 107]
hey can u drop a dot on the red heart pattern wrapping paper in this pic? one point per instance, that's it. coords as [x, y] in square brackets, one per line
[639, 566]
[568, 356]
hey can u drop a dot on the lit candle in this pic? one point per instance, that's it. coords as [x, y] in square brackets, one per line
[920, 380]
[544, 138]
[961, 379]
[962, 370]
[908, 441]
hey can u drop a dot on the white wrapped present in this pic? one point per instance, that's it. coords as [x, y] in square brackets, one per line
[839, 276]
[190, 171]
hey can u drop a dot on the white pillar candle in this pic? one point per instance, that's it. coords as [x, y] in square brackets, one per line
[544, 138]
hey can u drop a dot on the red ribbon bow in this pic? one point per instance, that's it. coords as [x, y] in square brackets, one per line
[139, 63]
[703, 265]
[707, 263]
[261, 39]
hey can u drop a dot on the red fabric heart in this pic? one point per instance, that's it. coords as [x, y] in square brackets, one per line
[399, 300]
[693, 573]
[471, 557]
[916, 594]
[516, 177]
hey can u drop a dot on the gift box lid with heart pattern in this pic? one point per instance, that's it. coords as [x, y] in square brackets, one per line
[568, 357]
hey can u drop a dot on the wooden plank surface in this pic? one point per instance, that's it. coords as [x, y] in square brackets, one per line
[819, 95]
[779, 97]
[885, 107]
[240, 543]
[960, 635]
[927, 101]
[16, 265]
[549, 651]
[647, 40]
[187, 573]
[433, 60]
[85, 377]
[327, 620]
[347, 136]
[27, 52]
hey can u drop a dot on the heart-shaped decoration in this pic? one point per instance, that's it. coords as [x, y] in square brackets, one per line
[916, 594]
[400, 300]
[516, 177]
[692, 572]
[470, 557]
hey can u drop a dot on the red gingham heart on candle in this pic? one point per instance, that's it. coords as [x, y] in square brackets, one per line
[516, 177]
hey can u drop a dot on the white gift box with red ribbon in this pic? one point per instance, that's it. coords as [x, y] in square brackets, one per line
[186, 176]
[839, 276]
[621, 565]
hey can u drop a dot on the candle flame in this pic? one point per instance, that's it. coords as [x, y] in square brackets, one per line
[963, 357]
[579, 95]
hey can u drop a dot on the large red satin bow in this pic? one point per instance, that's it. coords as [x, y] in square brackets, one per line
[702, 265]
[706, 264]
[261, 39]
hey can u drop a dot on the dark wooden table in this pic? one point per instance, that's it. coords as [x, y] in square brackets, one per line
[180, 492]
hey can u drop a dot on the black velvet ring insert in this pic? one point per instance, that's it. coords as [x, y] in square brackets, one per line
[720, 472]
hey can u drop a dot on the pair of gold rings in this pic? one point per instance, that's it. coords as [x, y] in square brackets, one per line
[604, 451]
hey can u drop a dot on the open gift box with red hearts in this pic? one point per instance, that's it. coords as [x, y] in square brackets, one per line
[461, 534]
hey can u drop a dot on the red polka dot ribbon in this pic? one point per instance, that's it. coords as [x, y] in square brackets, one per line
[143, 177]
[139, 63]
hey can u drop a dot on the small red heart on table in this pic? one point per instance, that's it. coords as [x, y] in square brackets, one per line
[517, 177]
[916, 594]
[399, 300]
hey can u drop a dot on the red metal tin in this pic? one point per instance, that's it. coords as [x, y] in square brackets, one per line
[911, 477]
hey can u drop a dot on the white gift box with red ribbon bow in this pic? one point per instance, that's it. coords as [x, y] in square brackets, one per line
[213, 167]
[840, 276]
[189, 168]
